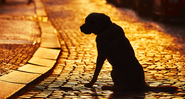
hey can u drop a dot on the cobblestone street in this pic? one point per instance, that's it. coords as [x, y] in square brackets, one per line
[161, 54]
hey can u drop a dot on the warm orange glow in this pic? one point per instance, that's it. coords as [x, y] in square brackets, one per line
[160, 54]
[156, 50]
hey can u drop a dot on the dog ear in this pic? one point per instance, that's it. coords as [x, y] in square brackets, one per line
[106, 19]
[99, 17]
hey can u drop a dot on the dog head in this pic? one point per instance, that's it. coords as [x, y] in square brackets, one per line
[95, 23]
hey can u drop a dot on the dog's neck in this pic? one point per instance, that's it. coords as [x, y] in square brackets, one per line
[105, 27]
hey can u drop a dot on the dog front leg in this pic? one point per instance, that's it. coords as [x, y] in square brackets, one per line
[99, 64]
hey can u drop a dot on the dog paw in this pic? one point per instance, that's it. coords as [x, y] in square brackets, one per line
[107, 88]
[88, 85]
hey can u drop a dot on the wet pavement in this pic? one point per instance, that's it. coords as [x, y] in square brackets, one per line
[19, 34]
[160, 52]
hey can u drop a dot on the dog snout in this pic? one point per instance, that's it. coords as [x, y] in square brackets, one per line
[84, 29]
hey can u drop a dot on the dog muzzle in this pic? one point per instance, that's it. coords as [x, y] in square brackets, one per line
[84, 29]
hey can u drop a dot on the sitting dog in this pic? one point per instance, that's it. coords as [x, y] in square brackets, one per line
[127, 73]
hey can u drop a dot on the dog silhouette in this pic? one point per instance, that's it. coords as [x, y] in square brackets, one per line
[112, 44]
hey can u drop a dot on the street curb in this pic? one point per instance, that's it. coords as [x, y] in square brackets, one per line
[42, 62]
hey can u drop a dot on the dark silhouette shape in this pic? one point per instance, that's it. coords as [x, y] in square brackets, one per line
[30, 1]
[127, 73]
[4, 1]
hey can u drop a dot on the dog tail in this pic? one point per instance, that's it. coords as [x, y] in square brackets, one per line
[163, 89]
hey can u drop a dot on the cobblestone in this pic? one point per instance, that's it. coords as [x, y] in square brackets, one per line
[24, 17]
[12, 56]
[161, 55]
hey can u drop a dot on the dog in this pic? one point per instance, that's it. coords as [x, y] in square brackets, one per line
[112, 44]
